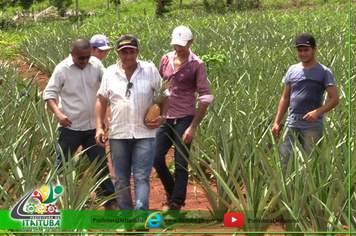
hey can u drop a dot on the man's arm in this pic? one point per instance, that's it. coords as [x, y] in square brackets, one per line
[63, 120]
[282, 109]
[330, 104]
[100, 110]
[205, 99]
[189, 133]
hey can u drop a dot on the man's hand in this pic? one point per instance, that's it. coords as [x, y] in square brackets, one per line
[189, 135]
[100, 137]
[157, 122]
[63, 120]
[275, 130]
[311, 116]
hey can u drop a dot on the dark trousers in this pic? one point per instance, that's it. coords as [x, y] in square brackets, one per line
[70, 140]
[176, 186]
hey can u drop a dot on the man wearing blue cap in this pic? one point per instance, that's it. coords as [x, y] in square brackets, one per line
[99, 46]
[305, 84]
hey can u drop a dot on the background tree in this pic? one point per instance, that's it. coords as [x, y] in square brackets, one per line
[25, 4]
[116, 2]
[62, 5]
[162, 7]
[224, 6]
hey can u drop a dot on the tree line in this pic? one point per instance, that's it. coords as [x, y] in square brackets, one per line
[162, 6]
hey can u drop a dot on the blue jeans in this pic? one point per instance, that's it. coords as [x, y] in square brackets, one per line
[177, 186]
[138, 154]
[70, 140]
[307, 137]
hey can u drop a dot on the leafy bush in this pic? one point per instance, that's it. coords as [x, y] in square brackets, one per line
[5, 21]
[162, 7]
[62, 5]
[243, 5]
[213, 59]
[218, 6]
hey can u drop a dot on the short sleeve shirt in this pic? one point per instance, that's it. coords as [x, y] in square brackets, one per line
[128, 112]
[307, 90]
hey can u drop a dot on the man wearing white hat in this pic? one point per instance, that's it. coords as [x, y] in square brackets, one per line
[187, 75]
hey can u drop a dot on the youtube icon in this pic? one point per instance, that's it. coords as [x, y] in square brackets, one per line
[234, 219]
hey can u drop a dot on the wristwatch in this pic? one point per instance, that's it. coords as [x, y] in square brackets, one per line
[164, 118]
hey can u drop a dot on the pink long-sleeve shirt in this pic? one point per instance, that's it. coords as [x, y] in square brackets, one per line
[190, 78]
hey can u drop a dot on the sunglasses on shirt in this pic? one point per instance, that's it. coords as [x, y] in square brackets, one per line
[128, 91]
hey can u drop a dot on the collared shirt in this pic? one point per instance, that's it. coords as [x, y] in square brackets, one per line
[191, 77]
[76, 89]
[128, 112]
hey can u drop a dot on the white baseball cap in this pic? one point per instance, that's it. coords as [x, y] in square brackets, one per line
[181, 35]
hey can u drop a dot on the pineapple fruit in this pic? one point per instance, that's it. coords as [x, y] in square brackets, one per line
[155, 111]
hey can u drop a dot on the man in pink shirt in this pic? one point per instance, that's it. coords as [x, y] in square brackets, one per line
[187, 75]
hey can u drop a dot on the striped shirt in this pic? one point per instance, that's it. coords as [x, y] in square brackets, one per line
[127, 113]
[191, 77]
[76, 89]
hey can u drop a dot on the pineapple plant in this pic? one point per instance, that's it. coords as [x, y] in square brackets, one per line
[155, 109]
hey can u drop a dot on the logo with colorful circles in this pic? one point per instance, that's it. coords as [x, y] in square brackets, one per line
[38, 209]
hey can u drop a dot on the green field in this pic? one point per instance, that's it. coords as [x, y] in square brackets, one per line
[247, 54]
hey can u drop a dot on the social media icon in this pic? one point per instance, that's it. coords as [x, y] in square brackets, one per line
[234, 219]
[154, 220]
